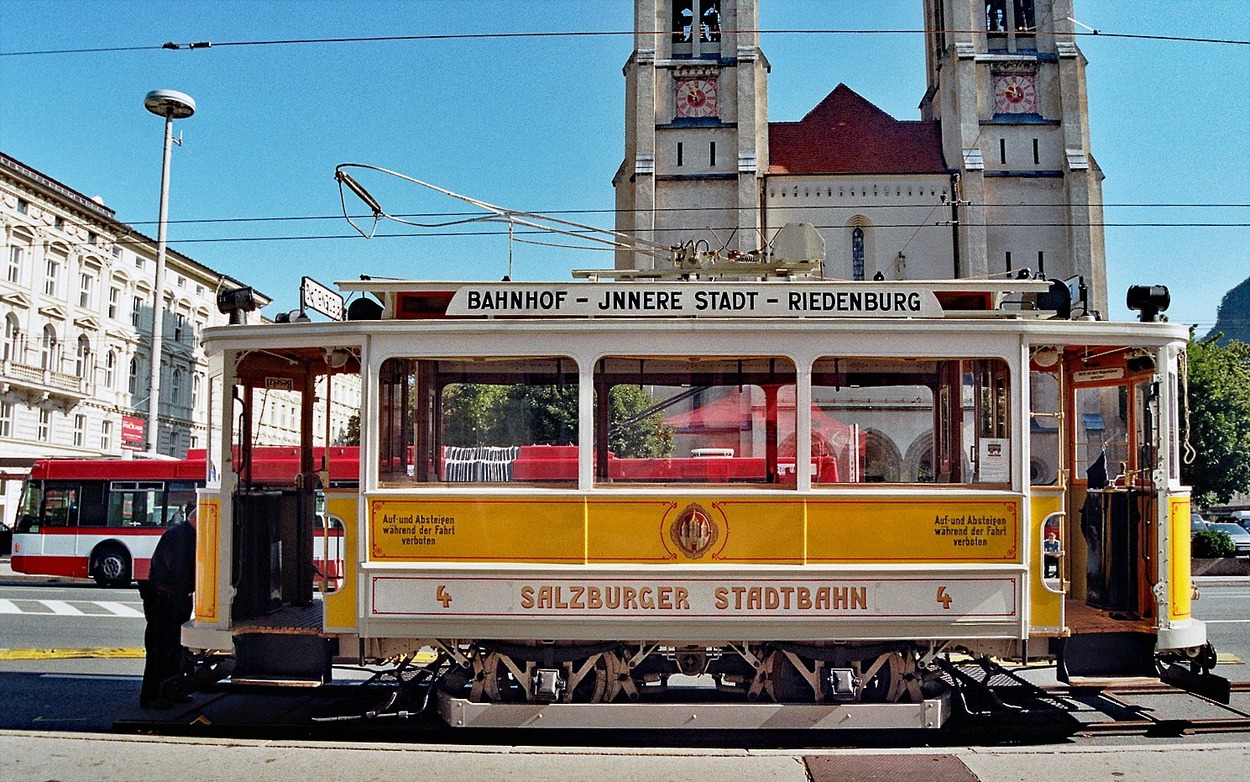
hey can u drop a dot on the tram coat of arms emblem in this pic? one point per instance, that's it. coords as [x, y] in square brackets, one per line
[694, 531]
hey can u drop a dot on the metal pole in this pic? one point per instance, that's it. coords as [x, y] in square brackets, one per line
[158, 304]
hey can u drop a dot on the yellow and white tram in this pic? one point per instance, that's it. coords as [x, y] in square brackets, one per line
[692, 503]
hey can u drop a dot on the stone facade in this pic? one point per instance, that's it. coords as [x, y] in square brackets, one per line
[995, 176]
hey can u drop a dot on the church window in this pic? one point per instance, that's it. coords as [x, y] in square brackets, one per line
[1007, 261]
[679, 153]
[1010, 24]
[857, 254]
[712, 155]
[1041, 262]
[1037, 157]
[696, 27]
[1002, 150]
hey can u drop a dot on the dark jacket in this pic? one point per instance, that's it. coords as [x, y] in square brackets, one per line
[173, 563]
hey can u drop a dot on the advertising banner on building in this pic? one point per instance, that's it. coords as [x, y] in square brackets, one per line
[132, 432]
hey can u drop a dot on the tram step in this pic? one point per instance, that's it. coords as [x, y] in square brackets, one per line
[291, 660]
[1106, 654]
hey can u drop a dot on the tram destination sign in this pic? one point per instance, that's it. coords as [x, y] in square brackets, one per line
[317, 297]
[720, 300]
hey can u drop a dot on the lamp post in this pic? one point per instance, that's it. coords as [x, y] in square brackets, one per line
[171, 105]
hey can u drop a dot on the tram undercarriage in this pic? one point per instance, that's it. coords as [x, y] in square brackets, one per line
[509, 672]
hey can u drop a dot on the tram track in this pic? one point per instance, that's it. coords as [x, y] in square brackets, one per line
[1156, 709]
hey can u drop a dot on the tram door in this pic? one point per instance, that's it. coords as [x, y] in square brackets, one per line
[1113, 422]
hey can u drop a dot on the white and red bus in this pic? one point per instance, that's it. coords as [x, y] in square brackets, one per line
[102, 518]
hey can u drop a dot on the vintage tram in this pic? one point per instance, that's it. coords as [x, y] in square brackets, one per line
[695, 503]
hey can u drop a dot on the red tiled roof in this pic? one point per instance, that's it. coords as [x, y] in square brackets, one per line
[846, 134]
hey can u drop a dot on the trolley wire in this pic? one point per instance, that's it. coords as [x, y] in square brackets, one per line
[434, 37]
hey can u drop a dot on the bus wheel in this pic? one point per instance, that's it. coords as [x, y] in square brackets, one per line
[110, 566]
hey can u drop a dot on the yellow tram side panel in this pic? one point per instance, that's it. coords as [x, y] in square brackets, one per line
[340, 606]
[1045, 600]
[207, 562]
[694, 529]
[1180, 574]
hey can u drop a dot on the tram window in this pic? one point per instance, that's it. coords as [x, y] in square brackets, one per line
[922, 420]
[478, 420]
[695, 420]
[1043, 428]
[1101, 426]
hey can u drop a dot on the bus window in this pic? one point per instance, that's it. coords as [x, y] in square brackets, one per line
[136, 503]
[923, 420]
[695, 420]
[60, 506]
[478, 420]
[28, 518]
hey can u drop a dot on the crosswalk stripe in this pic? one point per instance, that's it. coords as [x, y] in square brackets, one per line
[7, 607]
[118, 609]
[61, 608]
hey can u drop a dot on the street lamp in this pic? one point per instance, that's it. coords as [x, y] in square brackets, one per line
[171, 105]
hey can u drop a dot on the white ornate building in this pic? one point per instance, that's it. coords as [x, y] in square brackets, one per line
[76, 300]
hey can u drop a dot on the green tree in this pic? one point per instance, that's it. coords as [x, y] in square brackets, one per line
[1218, 420]
[351, 434]
[649, 437]
[471, 414]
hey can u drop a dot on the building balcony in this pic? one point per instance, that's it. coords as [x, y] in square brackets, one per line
[44, 382]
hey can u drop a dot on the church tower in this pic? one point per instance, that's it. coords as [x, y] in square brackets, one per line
[696, 127]
[1006, 82]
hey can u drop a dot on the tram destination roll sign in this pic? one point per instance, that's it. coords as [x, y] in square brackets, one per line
[742, 300]
[317, 297]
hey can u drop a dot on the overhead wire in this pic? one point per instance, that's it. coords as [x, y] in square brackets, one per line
[198, 45]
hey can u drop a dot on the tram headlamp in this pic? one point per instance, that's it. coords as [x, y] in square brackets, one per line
[235, 302]
[1148, 301]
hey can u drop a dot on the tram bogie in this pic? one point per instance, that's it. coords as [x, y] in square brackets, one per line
[686, 517]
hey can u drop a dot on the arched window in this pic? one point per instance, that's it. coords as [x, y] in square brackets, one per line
[110, 369]
[175, 387]
[12, 339]
[82, 357]
[50, 349]
[195, 391]
[134, 375]
[857, 253]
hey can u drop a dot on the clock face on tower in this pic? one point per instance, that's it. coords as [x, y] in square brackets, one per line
[1015, 93]
[696, 97]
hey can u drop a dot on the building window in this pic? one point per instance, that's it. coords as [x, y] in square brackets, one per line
[110, 369]
[117, 251]
[136, 307]
[15, 263]
[195, 391]
[138, 262]
[6, 419]
[80, 429]
[1002, 150]
[85, 283]
[23, 206]
[133, 383]
[106, 435]
[180, 324]
[92, 239]
[82, 357]
[696, 27]
[712, 155]
[1037, 156]
[680, 154]
[50, 280]
[182, 281]
[12, 339]
[175, 387]
[45, 425]
[1041, 262]
[58, 223]
[1010, 24]
[857, 254]
[114, 295]
[50, 350]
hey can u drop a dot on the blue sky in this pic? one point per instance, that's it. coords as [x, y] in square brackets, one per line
[536, 124]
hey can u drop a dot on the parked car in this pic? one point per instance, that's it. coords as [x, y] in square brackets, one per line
[1197, 524]
[1241, 517]
[1239, 535]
